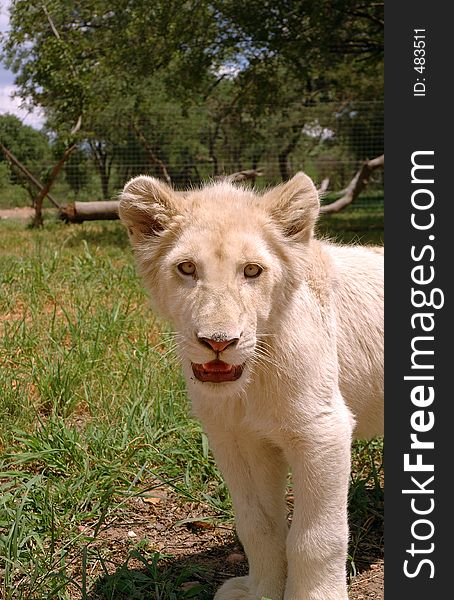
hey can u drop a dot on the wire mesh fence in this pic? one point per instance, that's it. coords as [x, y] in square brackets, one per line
[187, 147]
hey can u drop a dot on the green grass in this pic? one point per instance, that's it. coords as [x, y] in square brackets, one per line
[356, 224]
[93, 412]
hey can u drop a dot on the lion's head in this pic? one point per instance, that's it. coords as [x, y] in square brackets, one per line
[220, 264]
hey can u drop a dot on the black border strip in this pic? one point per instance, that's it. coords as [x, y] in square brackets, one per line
[419, 254]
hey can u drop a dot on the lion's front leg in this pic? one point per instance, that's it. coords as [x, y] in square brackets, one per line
[318, 538]
[256, 473]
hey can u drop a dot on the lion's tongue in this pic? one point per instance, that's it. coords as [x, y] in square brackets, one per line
[216, 371]
[217, 366]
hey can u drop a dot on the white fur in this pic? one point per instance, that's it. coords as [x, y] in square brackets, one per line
[310, 337]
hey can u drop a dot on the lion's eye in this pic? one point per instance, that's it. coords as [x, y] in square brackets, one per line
[187, 268]
[252, 270]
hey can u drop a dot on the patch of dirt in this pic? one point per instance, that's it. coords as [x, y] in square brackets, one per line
[189, 538]
[369, 584]
[23, 213]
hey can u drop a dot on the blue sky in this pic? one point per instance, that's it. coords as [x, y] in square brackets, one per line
[7, 103]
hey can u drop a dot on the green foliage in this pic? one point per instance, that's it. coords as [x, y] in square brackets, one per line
[95, 55]
[87, 55]
[189, 90]
[31, 148]
[309, 34]
[11, 194]
[27, 144]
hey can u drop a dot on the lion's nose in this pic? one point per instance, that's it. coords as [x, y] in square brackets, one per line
[216, 344]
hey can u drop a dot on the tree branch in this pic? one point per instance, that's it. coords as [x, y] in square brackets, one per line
[323, 186]
[356, 186]
[240, 176]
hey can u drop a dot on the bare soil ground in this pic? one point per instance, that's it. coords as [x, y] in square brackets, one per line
[22, 212]
[192, 538]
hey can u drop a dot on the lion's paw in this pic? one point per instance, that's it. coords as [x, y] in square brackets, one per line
[235, 589]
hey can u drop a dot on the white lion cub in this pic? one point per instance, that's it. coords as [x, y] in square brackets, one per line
[281, 342]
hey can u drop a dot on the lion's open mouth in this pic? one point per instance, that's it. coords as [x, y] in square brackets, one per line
[217, 371]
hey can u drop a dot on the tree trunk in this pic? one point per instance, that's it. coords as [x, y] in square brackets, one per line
[213, 136]
[38, 219]
[152, 156]
[103, 167]
[38, 203]
[283, 157]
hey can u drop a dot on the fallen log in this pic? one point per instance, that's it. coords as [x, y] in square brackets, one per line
[78, 212]
[106, 210]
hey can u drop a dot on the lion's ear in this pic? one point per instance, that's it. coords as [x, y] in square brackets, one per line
[146, 206]
[294, 206]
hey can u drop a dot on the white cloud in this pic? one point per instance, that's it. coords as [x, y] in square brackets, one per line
[4, 17]
[228, 70]
[9, 104]
[315, 130]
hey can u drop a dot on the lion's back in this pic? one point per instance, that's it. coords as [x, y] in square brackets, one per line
[359, 298]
